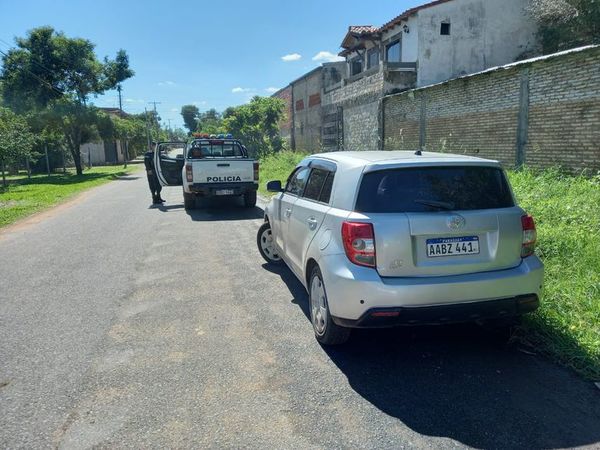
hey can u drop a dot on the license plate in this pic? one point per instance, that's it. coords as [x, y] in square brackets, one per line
[224, 192]
[467, 245]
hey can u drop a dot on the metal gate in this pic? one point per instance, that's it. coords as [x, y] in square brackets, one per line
[333, 129]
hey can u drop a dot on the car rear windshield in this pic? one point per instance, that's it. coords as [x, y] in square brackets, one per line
[215, 149]
[426, 189]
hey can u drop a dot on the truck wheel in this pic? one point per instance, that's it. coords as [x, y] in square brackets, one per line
[250, 199]
[189, 201]
[326, 331]
[264, 240]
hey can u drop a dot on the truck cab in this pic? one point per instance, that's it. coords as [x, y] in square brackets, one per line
[208, 166]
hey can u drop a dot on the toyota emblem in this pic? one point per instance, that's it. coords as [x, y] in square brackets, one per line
[455, 222]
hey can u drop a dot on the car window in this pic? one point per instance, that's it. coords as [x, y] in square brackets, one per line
[214, 149]
[296, 184]
[315, 184]
[326, 191]
[425, 189]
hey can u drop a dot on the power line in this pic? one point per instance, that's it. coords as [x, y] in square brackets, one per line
[32, 60]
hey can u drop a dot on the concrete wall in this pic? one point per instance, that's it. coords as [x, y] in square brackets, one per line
[93, 151]
[483, 34]
[410, 40]
[307, 113]
[542, 112]
[359, 102]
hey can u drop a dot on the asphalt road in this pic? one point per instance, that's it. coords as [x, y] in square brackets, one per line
[126, 325]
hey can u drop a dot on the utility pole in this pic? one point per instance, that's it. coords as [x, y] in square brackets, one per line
[170, 131]
[156, 116]
[148, 130]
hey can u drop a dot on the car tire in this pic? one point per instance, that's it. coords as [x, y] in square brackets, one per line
[189, 201]
[264, 240]
[326, 331]
[250, 199]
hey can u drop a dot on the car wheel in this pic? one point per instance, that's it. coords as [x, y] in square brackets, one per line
[189, 200]
[266, 246]
[250, 199]
[326, 331]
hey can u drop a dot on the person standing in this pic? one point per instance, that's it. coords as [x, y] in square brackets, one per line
[153, 182]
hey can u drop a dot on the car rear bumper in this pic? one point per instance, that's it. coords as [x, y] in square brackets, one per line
[210, 189]
[354, 292]
[443, 314]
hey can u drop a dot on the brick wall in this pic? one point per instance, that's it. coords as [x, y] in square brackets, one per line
[285, 126]
[556, 100]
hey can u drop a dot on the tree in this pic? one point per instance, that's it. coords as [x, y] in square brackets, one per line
[565, 24]
[256, 124]
[210, 122]
[190, 115]
[16, 139]
[54, 74]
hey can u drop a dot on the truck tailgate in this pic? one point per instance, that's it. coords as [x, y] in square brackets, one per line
[223, 171]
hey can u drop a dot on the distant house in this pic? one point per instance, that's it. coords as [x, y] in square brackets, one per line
[104, 152]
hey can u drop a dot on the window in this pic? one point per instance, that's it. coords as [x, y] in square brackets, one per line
[297, 181]
[215, 149]
[326, 191]
[315, 184]
[445, 29]
[393, 52]
[356, 66]
[427, 189]
[299, 105]
[373, 57]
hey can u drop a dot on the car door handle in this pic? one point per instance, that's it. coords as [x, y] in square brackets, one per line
[288, 212]
[312, 223]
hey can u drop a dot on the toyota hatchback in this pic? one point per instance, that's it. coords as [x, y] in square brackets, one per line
[402, 238]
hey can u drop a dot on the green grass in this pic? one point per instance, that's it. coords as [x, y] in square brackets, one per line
[277, 167]
[567, 213]
[566, 209]
[24, 197]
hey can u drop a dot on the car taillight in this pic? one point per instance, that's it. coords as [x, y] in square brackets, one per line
[188, 173]
[255, 171]
[529, 236]
[359, 243]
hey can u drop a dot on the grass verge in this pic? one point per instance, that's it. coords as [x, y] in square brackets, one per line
[566, 209]
[23, 197]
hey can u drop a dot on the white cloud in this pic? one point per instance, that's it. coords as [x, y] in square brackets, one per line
[134, 100]
[327, 57]
[166, 83]
[291, 57]
[271, 90]
[174, 109]
[200, 103]
[239, 90]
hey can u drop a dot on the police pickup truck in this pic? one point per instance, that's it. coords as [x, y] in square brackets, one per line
[208, 166]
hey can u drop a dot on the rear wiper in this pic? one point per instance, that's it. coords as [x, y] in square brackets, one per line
[436, 204]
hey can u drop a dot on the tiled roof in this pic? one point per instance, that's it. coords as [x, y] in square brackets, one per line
[409, 12]
[362, 29]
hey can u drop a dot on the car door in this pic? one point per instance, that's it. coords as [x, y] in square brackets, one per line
[169, 159]
[292, 191]
[309, 212]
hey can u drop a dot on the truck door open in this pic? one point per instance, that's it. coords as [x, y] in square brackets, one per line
[169, 159]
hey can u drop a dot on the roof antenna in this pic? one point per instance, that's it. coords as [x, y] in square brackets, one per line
[418, 153]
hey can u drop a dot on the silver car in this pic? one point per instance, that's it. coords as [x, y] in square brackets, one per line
[402, 238]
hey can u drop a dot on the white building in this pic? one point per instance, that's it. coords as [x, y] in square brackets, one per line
[443, 39]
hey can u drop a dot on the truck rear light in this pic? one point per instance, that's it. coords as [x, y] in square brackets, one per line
[529, 236]
[359, 243]
[255, 170]
[188, 173]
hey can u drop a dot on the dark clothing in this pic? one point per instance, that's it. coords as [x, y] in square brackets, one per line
[153, 182]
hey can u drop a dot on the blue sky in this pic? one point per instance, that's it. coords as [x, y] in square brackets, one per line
[212, 54]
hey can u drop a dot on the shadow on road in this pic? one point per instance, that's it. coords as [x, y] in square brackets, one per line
[460, 382]
[229, 208]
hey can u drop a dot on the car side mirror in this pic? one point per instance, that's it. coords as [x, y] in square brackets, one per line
[274, 186]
